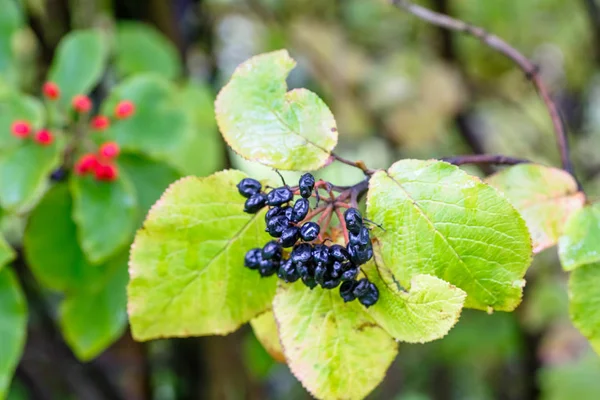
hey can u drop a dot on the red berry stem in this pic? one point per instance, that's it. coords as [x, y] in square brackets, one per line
[338, 212]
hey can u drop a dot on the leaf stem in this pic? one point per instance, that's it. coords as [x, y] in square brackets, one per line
[496, 43]
[358, 164]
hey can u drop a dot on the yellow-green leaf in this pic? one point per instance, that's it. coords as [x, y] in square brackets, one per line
[335, 349]
[584, 305]
[265, 330]
[440, 221]
[580, 244]
[546, 198]
[187, 262]
[264, 122]
[422, 312]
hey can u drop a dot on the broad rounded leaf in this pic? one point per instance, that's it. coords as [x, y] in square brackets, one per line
[17, 106]
[159, 124]
[265, 330]
[24, 173]
[94, 316]
[423, 312]
[11, 21]
[263, 122]
[150, 179]
[78, 64]
[50, 244]
[13, 324]
[105, 214]
[187, 262]
[546, 198]
[334, 348]
[141, 48]
[440, 221]
[580, 243]
[584, 304]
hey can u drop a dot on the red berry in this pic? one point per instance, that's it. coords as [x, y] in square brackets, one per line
[109, 150]
[44, 137]
[82, 103]
[100, 123]
[106, 172]
[87, 163]
[21, 129]
[124, 109]
[51, 90]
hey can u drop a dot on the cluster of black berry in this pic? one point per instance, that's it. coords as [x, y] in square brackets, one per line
[314, 263]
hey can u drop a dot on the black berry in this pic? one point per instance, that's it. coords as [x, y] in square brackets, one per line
[309, 281]
[331, 283]
[253, 258]
[353, 220]
[255, 203]
[360, 254]
[361, 288]
[268, 267]
[271, 251]
[306, 185]
[320, 254]
[279, 196]
[302, 253]
[248, 186]
[370, 297]
[300, 210]
[350, 274]
[290, 236]
[309, 231]
[277, 225]
[274, 211]
[347, 291]
[361, 239]
[287, 272]
[339, 253]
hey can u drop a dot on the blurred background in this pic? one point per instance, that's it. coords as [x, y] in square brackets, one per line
[399, 88]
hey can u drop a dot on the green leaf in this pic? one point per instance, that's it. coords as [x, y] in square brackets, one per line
[584, 305]
[263, 122]
[78, 64]
[202, 136]
[150, 179]
[7, 254]
[141, 48]
[580, 243]
[546, 198]
[186, 264]
[50, 244]
[334, 348]
[425, 311]
[13, 324]
[93, 317]
[440, 221]
[158, 126]
[11, 21]
[25, 172]
[105, 214]
[265, 330]
[17, 106]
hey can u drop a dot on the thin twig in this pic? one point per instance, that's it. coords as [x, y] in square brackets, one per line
[357, 164]
[485, 159]
[338, 212]
[499, 45]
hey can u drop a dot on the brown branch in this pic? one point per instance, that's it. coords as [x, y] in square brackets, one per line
[484, 159]
[499, 45]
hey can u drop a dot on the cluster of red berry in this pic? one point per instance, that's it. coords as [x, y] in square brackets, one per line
[100, 164]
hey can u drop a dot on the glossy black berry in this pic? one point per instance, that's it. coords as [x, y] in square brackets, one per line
[339, 253]
[309, 281]
[304, 269]
[277, 225]
[320, 273]
[347, 291]
[287, 272]
[306, 185]
[331, 283]
[253, 258]
[273, 211]
[350, 274]
[300, 210]
[362, 288]
[361, 239]
[320, 253]
[255, 203]
[279, 196]
[302, 253]
[271, 251]
[290, 236]
[248, 186]
[353, 220]
[288, 211]
[309, 231]
[336, 270]
[268, 267]
[360, 254]
[370, 297]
